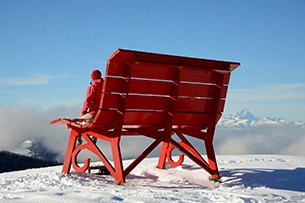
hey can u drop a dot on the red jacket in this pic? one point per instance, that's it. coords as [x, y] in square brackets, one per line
[93, 97]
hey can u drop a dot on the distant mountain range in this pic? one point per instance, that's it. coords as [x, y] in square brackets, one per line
[30, 154]
[13, 162]
[245, 118]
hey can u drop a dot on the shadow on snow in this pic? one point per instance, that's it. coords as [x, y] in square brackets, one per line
[283, 179]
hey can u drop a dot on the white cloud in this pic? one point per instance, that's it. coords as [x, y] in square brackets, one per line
[19, 123]
[32, 79]
[264, 139]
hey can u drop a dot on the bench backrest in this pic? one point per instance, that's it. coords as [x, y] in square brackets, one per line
[145, 89]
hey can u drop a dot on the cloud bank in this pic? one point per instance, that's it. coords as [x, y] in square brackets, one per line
[19, 123]
[32, 79]
[263, 139]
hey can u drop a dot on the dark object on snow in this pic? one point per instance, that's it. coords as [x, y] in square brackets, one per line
[102, 170]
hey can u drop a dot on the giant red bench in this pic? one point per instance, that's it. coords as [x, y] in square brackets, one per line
[158, 96]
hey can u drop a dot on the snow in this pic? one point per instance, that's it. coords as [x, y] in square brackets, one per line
[245, 178]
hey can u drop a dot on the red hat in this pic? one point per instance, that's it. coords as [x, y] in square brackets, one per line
[96, 74]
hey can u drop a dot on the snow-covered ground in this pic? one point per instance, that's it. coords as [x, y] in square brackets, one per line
[245, 178]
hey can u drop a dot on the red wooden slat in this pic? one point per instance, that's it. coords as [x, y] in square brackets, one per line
[196, 90]
[147, 102]
[141, 86]
[143, 118]
[149, 87]
[187, 104]
[105, 117]
[162, 87]
[201, 75]
[153, 71]
[190, 119]
[202, 105]
[114, 84]
[110, 101]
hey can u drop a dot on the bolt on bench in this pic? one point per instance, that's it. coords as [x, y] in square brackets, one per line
[157, 96]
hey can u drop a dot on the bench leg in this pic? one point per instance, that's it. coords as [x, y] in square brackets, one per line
[117, 158]
[163, 154]
[71, 145]
[212, 159]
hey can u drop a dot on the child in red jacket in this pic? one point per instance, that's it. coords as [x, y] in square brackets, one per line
[92, 101]
[93, 96]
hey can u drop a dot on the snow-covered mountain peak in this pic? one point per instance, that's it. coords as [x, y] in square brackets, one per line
[35, 148]
[245, 118]
[245, 113]
[28, 148]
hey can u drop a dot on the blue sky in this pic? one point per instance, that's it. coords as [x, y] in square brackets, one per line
[48, 48]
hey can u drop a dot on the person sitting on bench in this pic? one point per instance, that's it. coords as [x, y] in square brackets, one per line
[93, 96]
[92, 100]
